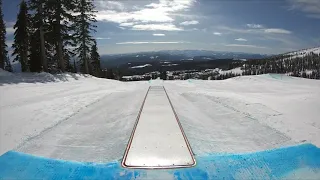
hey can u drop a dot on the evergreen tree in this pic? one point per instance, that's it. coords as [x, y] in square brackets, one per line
[8, 66]
[3, 46]
[83, 26]
[110, 74]
[60, 20]
[39, 50]
[21, 37]
[74, 66]
[67, 59]
[35, 52]
[95, 60]
[163, 75]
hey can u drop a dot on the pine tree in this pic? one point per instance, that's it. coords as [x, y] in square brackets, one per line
[38, 46]
[35, 52]
[83, 26]
[95, 60]
[3, 46]
[21, 37]
[74, 66]
[67, 63]
[60, 20]
[163, 75]
[8, 66]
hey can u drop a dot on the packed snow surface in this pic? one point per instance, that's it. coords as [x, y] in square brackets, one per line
[82, 118]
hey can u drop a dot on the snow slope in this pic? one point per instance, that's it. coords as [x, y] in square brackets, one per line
[304, 52]
[43, 103]
[248, 113]
[86, 119]
[279, 110]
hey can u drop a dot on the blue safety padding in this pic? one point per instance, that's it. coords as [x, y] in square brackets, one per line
[272, 164]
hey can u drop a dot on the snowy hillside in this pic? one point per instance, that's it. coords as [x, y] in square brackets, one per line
[81, 118]
[304, 52]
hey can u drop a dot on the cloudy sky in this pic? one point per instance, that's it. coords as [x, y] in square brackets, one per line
[257, 26]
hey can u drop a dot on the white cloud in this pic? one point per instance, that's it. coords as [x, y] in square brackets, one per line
[159, 35]
[10, 30]
[244, 45]
[9, 44]
[241, 39]
[310, 7]
[255, 26]
[254, 31]
[114, 5]
[277, 31]
[145, 15]
[126, 24]
[9, 23]
[9, 27]
[102, 38]
[161, 12]
[187, 23]
[155, 27]
[237, 30]
[152, 42]
[217, 33]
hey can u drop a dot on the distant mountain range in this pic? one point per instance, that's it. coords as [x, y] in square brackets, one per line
[109, 61]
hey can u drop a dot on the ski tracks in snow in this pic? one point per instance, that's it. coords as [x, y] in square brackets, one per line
[97, 133]
[224, 127]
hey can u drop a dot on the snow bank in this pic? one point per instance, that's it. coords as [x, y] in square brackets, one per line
[14, 78]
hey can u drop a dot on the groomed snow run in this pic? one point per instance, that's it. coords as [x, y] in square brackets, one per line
[86, 119]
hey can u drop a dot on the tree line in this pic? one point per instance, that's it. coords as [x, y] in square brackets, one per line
[295, 64]
[53, 36]
[298, 65]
